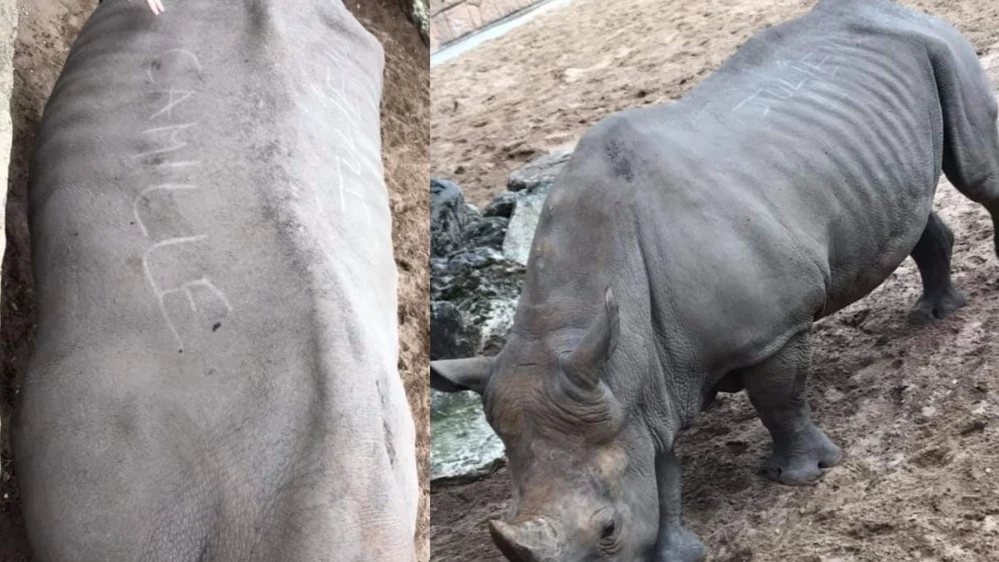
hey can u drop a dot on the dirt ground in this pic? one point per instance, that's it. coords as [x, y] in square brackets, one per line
[916, 410]
[539, 87]
[47, 29]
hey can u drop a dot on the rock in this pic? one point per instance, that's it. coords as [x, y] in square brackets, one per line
[487, 232]
[484, 288]
[418, 12]
[501, 206]
[476, 276]
[532, 183]
[448, 217]
[540, 173]
[474, 294]
[520, 231]
[473, 212]
[450, 335]
[462, 442]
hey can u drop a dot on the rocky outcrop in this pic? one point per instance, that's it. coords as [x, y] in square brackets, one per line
[530, 186]
[473, 287]
[520, 232]
[539, 174]
[473, 295]
[501, 206]
[448, 216]
[476, 275]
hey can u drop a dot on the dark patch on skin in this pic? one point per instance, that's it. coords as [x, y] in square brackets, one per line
[387, 431]
[203, 555]
[216, 326]
[619, 161]
[386, 428]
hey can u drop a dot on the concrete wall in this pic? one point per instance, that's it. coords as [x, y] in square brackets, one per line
[452, 19]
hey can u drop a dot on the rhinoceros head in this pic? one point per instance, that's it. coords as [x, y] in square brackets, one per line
[583, 475]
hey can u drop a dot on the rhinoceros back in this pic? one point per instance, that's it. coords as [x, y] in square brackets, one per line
[215, 368]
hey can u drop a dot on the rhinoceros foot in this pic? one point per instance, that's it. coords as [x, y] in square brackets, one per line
[937, 307]
[798, 459]
[680, 545]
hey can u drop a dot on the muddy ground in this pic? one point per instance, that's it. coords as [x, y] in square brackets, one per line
[47, 29]
[915, 409]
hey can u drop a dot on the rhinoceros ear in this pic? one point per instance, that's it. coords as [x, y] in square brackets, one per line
[457, 375]
[585, 363]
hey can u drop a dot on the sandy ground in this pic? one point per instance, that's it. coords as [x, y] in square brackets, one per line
[915, 409]
[539, 87]
[47, 29]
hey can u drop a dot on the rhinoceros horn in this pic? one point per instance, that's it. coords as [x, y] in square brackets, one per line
[585, 363]
[530, 540]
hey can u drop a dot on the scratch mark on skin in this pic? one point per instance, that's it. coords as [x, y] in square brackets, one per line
[175, 129]
[189, 54]
[805, 71]
[171, 101]
[142, 195]
[334, 96]
[753, 100]
[337, 95]
[372, 91]
[331, 91]
[190, 297]
[178, 164]
[345, 191]
[782, 89]
[173, 142]
[161, 294]
[186, 289]
[204, 282]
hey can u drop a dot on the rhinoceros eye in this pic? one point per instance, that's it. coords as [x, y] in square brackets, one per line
[608, 538]
[608, 531]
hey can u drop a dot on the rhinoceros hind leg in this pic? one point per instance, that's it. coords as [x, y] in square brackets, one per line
[932, 255]
[778, 390]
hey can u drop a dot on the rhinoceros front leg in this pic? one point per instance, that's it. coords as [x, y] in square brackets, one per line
[777, 388]
[932, 255]
[675, 543]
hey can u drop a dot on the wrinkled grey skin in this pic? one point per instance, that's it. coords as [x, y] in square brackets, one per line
[688, 248]
[215, 373]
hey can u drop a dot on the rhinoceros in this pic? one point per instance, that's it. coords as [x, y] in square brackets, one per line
[215, 373]
[687, 249]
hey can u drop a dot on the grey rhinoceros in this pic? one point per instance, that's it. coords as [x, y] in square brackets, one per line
[687, 249]
[215, 373]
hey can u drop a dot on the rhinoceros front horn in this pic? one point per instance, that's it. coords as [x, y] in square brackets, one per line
[533, 540]
[585, 363]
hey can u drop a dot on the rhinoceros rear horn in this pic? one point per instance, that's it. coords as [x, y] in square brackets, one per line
[585, 363]
[534, 540]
